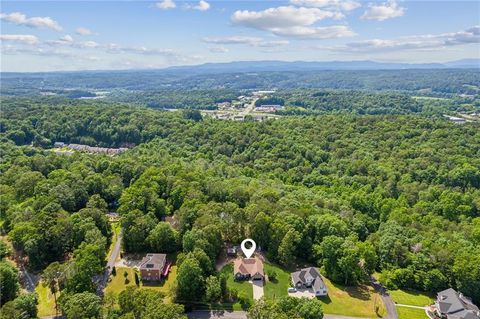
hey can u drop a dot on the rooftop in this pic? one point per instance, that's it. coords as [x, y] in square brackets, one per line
[456, 306]
[153, 261]
[249, 266]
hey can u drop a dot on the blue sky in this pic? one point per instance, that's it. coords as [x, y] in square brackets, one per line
[77, 35]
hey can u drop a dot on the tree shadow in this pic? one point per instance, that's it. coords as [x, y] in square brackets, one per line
[325, 299]
[361, 291]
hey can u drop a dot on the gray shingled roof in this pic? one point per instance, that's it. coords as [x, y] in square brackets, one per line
[456, 307]
[153, 261]
[309, 273]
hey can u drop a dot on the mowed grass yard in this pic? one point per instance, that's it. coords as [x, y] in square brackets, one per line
[46, 301]
[244, 288]
[411, 313]
[279, 287]
[117, 284]
[361, 301]
[358, 301]
[410, 297]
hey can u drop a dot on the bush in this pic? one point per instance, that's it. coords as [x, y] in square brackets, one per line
[272, 275]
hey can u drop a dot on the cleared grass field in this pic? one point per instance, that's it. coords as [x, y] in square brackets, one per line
[279, 287]
[411, 313]
[410, 297]
[359, 301]
[46, 301]
[118, 283]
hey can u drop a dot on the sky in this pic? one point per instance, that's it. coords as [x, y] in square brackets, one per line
[97, 35]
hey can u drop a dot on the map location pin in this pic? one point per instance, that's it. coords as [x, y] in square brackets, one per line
[248, 252]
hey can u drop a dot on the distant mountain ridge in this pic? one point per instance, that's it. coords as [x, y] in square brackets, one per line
[274, 65]
[254, 66]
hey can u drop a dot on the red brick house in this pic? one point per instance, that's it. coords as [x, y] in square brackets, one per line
[152, 266]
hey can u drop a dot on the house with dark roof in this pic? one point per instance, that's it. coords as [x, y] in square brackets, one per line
[309, 278]
[248, 268]
[152, 266]
[453, 305]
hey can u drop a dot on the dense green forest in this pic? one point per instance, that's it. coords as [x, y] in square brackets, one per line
[354, 195]
[435, 82]
[305, 102]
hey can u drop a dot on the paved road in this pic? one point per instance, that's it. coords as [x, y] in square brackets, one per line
[257, 286]
[115, 251]
[110, 264]
[206, 314]
[387, 300]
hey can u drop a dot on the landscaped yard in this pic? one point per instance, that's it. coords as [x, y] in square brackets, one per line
[411, 313]
[46, 301]
[279, 287]
[244, 288]
[360, 301]
[410, 297]
[118, 283]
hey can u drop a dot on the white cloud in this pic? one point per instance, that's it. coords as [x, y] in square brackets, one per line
[251, 41]
[83, 31]
[342, 5]
[20, 38]
[290, 21]
[219, 49]
[384, 11]
[166, 4]
[67, 38]
[281, 17]
[19, 18]
[415, 42]
[271, 44]
[331, 32]
[232, 40]
[202, 6]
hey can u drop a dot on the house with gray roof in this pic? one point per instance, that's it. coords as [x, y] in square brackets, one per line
[309, 278]
[152, 266]
[453, 305]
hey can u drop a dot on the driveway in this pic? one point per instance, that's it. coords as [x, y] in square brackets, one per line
[387, 300]
[257, 289]
[303, 293]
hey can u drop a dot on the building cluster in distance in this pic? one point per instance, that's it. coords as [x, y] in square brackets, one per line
[91, 149]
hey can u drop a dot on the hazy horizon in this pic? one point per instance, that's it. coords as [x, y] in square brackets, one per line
[114, 35]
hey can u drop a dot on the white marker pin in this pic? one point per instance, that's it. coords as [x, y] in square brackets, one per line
[248, 252]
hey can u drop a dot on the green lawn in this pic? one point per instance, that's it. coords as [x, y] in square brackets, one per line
[117, 283]
[410, 297]
[46, 301]
[359, 301]
[279, 287]
[411, 313]
[243, 288]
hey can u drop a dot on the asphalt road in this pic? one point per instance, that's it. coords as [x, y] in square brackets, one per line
[387, 300]
[110, 263]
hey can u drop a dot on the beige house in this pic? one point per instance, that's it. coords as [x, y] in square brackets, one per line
[248, 268]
